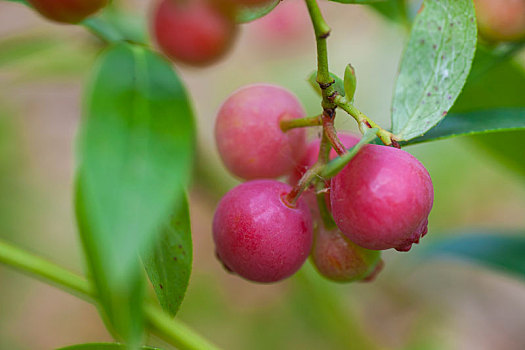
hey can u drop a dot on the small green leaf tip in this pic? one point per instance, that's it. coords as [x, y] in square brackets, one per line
[350, 82]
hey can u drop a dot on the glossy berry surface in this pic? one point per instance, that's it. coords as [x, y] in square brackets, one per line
[340, 260]
[249, 138]
[67, 11]
[258, 236]
[501, 20]
[382, 199]
[195, 32]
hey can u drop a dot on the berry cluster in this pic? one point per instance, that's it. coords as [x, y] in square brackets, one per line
[265, 229]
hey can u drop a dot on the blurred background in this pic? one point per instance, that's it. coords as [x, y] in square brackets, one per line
[412, 304]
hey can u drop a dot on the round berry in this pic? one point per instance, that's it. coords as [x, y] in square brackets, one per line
[195, 32]
[257, 235]
[70, 11]
[382, 198]
[501, 20]
[248, 135]
[338, 259]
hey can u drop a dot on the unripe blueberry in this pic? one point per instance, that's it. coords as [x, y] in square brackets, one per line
[195, 32]
[501, 20]
[67, 11]
[257, 235]
[340, 260]
[249, 138]
[382, 199]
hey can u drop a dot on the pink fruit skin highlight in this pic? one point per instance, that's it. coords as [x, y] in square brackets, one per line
[195, 32]
[382, 199]
[250, 141]
[259, 237]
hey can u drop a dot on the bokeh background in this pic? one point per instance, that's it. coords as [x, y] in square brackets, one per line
[413, 304]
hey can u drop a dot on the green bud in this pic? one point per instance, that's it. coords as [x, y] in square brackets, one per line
[350, 82]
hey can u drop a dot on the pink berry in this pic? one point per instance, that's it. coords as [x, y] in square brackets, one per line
[249, 138]
[501, 20]
[382, 199]
[309, 158]
[195, 32]
[257, 235]
[340, 260]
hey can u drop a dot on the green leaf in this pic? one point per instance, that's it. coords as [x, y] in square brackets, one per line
[499, 83]
[434, 67]
[247, 14]
[496, 250]
[394, 10]
[168, 262]
[135, 153]
[339, 84]
[478, 122]
[102, 346]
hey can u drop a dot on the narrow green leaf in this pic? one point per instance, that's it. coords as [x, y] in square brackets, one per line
[247, 14]
[497, 250]
[499, 83]
[478, 122]
[168, 262]
[434, 67]
[102, 346]
[394, 10]
[339, 83]
[135, 155]
[337, 164]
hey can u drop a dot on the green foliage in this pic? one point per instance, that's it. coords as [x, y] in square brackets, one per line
[339, 84]
[168, 262]
[497, 250]
[434, 67]
[135, 153]
[247, 14]
[478, 122]
[394, 10]
[497, 82]
[102, 346]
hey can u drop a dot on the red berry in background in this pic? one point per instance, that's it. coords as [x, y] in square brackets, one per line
[340, 260]
[382, 198]
[258, 236]
[501, 20]
[249, 138]
[196, 32]
[67, 11]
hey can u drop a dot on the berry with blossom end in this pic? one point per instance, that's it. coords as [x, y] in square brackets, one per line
[382, 199]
